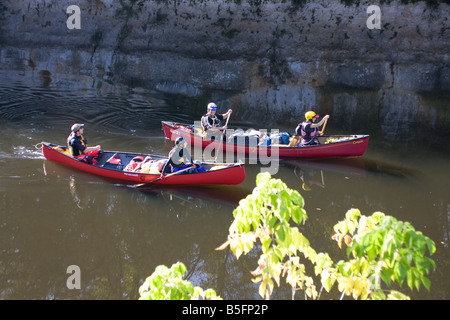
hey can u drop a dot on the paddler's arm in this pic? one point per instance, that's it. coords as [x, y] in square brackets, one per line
[89, 149]
[188, 156]
[227, 114]
[163, 171]
[224, 116]
[320, 123]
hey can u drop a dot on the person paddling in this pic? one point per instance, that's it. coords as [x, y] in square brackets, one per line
[211, 120]
[309, 129]
[77, 143]
[179, 157]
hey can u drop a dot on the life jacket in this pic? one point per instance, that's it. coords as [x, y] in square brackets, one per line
[114, 159]
[180, 160]
[90, 157]
[70, 140]
[206, 124]
[307, 138]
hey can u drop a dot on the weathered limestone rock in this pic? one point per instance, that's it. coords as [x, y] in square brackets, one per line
[272, 60]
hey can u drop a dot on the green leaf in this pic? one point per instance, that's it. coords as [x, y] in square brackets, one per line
[247, 240]
[352, 214]
[327, 280]
[387, 275]
[266, 244]
[402, 267]
[296, 214]
[236, 246]
[410, 279]
[281, 234]
[426, 282]
[378, 295]
[431, 246]
[179, 268]
[262, 178]
[297, 198]
[395, 295]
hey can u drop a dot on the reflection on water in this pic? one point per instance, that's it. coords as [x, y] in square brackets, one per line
[52, 216]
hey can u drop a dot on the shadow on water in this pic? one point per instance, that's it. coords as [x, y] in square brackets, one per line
[181, 224]
[356, 167]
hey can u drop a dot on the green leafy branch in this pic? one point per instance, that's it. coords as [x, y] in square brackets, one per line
[383, 249]
[168, 284]
[266, 216]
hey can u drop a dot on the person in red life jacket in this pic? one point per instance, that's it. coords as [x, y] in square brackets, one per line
[309, 129]
[78, 144]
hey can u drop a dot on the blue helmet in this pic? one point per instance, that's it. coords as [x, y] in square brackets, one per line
[212, 106]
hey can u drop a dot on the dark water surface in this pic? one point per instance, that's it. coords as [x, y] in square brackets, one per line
[52, 217]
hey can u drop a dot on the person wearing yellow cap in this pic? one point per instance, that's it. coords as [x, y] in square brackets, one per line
[309, 129]
[77, 143]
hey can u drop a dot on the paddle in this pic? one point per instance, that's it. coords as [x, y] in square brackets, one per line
[228, 118]
[294, 140]
[324, 125]
[163, 177]
[221, 138]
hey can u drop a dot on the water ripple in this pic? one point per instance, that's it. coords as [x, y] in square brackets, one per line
[129, 121]
[116, 112]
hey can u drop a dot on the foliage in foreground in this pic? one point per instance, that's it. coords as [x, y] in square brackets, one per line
[168, 284]
[381, 249]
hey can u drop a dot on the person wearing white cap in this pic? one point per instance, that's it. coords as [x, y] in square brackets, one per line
[211, 120]
[77, 143]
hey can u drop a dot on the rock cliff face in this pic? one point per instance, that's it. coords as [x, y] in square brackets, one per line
[269, 60]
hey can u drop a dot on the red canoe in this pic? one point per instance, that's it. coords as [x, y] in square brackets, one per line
[215, 173]
[329, 147]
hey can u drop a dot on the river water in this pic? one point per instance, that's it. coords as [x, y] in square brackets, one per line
[52, 217]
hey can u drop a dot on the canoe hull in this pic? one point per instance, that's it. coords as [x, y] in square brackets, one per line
[353, 147]
[231, 174]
